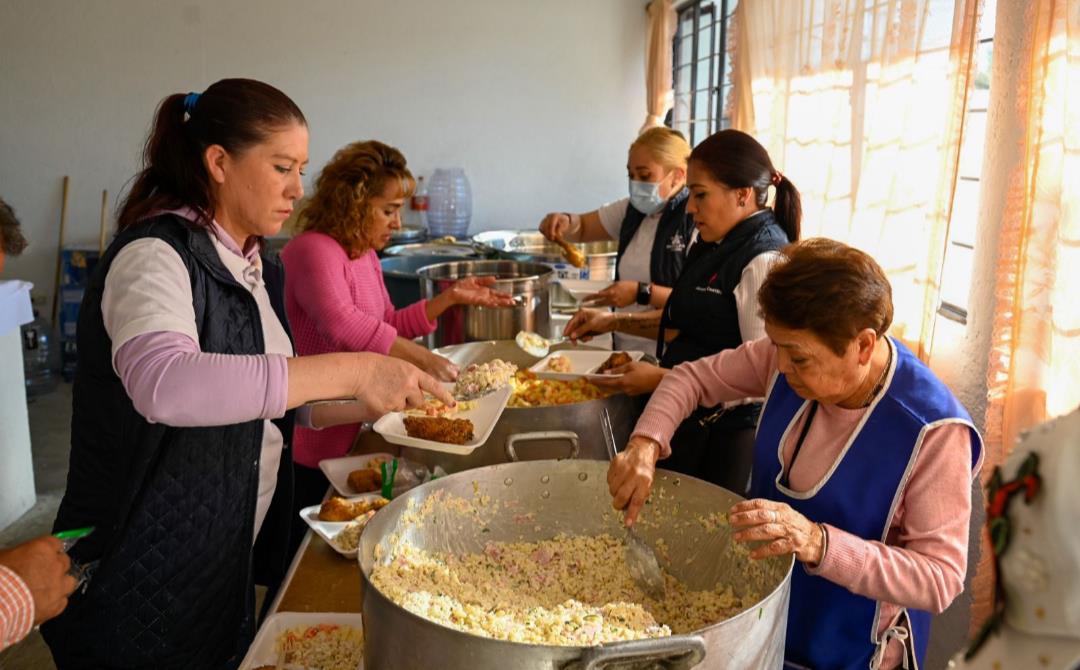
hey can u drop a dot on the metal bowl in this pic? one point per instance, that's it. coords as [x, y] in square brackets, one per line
[530, 245]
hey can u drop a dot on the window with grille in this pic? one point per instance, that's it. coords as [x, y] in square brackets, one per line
[960, 252]
[702, 68]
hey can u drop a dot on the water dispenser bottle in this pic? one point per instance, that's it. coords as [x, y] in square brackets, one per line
[449, 203]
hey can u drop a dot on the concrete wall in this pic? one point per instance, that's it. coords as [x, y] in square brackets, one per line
[538, 101]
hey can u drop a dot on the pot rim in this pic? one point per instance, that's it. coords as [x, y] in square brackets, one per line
[542, 272]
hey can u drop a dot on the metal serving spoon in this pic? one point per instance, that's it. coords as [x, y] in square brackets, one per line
[640, 557]
[535, 345]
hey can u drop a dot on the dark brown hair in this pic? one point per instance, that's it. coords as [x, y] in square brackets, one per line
[340, 206]
[737, 160]
[828, 288]
[12, 241]
[233, 113]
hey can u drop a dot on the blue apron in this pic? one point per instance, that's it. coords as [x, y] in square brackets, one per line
[829, 627]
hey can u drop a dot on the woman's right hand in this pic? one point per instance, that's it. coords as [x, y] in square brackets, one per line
[630, 476]
[589, 322]
[384, 384]
[555, 225]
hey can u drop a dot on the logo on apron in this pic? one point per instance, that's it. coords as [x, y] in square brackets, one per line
[676, 244]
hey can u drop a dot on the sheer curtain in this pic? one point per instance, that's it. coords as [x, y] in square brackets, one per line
[659, 95]
[1034, 367]
[860, 103]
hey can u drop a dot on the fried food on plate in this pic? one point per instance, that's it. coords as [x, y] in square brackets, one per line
[615, 360]
[365, 480]
[439, 429]
[340, 509]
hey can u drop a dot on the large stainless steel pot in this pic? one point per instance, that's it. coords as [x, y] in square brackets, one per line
[527, 282]
[571, 497]
[530, 245]
[533, 433]
[399, 275]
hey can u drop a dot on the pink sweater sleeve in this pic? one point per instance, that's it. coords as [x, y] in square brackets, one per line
[410, 321]
[923, 565]
[732, 374]
[16, 608]
[318, 277]
[171, 381]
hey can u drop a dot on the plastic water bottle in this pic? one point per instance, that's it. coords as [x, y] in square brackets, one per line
[449, 203]
[40, 357]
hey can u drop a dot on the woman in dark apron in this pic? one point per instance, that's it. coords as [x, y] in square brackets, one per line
[713, 303]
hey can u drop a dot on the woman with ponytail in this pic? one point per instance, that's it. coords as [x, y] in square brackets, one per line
[186, 390]
[713, 304]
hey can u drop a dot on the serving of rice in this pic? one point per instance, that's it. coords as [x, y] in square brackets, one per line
[323, 646]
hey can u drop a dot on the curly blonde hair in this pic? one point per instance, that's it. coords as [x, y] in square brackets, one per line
[340, 206]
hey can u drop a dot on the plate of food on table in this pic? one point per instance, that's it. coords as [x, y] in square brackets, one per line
[340, 521]
[294, 640]
[569, 364]
[481, 390]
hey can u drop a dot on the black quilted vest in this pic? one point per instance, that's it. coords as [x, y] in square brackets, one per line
[702, 304]
[174, 507]
[673, 233]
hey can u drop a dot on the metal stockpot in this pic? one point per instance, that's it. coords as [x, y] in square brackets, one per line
[530, 245]
[571, 497]
[527, 282]
[533, 433]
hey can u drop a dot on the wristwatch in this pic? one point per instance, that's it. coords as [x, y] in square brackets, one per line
[644, 292]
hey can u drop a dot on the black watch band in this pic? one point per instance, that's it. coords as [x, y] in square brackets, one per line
[644, 292]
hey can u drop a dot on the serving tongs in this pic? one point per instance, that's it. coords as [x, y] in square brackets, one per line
[640, 557]
[572, 254]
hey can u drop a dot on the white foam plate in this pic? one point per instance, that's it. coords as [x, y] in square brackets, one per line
[583, 363]
[261, 652]
[579, 288]
[484, 416]
[337, 470]
[328, 530]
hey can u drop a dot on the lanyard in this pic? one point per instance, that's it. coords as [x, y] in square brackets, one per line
[785, 475]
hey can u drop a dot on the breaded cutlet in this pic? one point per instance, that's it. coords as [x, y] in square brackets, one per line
[439, 429]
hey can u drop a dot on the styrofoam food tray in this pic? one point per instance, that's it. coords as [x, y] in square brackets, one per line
[583, 363]
[328, 530]
[409, 474]
[484, 416]
[579, 288]
[261, 652]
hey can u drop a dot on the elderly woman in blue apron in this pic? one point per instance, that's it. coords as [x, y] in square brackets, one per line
[863, 461]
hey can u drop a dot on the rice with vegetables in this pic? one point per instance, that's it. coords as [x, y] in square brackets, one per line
[570, 590]
[479, 379]
[324, 646]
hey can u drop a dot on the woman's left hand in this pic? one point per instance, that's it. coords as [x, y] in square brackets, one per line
[619, 294]
[478, 291]
[634, 378]
[783, 529]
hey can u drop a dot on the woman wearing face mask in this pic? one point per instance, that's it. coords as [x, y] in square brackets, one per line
[335, 296]
[713, 304]
[651, 226]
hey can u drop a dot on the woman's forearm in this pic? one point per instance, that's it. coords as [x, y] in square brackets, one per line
[437, 305]
[410, 351]
[325, 376]
[658, 296]
[642, 324]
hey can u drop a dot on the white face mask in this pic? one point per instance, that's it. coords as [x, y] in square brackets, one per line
[645, 197]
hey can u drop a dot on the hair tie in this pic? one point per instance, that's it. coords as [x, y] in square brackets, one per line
[189, 102]
[777, 177]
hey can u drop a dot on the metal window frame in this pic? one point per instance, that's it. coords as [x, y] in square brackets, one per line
[718, 12]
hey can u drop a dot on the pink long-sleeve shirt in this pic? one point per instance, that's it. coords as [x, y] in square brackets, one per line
[16, 608]
[924, 558]
[336, 303]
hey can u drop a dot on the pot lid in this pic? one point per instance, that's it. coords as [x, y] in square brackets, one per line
[448, 249]
[408, 234]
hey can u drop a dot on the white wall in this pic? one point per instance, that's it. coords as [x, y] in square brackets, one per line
[538, 101]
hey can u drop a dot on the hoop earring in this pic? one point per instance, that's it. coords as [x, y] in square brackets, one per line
[742, 203]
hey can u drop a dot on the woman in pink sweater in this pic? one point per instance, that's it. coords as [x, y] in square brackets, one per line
[334, 292]
[863, 461]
